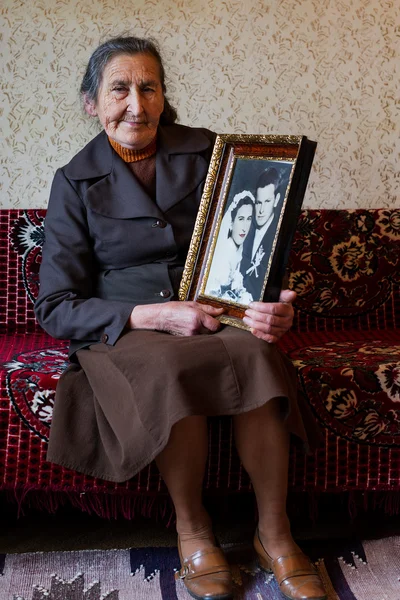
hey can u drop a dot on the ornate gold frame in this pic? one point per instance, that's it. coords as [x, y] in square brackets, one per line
[227, 149]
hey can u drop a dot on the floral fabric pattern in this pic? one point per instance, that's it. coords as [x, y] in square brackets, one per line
[31, 382]
[389, 223]
[341, 263]
[350, 260]
[389, 378]
[353, 389]
[27, 237]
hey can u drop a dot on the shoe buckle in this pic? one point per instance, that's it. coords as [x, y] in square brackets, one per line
[183, 572]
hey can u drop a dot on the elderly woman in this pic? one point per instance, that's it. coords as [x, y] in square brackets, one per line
[146, 371]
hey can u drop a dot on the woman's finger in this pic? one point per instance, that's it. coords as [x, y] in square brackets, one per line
[210, 310]
[269, 327]
[267, 337]
[268, 334]
[280, 309]
[209, 323]
[287, 296]
[256, 317]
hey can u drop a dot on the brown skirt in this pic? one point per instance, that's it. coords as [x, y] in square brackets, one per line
[114, 411]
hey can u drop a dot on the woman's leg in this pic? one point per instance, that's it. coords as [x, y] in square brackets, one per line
[182, 464]
[262, 441]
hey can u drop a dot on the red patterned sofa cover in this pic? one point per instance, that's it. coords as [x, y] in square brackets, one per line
[345, 342]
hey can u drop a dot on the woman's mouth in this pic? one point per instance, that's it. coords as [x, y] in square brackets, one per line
[134, 123]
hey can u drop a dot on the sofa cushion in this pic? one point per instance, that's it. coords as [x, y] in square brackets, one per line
[344, 459]
[352, 383]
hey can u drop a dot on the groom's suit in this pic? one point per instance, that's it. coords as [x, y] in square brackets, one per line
[255, 260]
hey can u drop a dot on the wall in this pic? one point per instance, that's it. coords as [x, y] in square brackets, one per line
[328, 69]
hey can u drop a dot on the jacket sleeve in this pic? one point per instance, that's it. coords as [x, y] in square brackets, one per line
[65, 306]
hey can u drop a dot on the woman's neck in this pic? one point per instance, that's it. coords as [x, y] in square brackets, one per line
[237, 246]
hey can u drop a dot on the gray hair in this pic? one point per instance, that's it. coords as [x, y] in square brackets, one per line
[124, 45]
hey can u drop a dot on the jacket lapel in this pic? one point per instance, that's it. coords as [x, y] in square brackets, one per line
[180, 169]
[180, 166]
[120, 196]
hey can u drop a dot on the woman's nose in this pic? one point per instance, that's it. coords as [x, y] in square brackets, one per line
[135, 104]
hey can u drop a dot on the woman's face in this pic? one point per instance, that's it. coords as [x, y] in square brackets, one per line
[130, 100]
[241, 224]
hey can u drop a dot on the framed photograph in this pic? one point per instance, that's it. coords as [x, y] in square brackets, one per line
[247, 217]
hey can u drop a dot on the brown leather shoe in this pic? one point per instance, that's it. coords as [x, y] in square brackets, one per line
[206, 574]
[296, 575]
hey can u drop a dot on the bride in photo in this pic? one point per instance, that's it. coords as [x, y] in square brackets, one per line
[224, 279]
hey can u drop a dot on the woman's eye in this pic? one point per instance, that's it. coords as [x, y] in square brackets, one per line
[119, 89]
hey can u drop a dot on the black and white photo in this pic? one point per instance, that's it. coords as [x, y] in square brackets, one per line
[246, 221]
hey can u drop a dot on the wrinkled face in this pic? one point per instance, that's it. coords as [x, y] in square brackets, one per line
[266, 201]
[241, 224]
[130, 100]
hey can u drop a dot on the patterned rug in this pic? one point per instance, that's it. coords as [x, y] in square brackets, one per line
[368, 570]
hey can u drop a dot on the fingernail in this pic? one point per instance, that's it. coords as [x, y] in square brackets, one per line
[246, 320]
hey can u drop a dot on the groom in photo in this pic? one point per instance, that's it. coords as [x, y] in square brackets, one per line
[257, 246]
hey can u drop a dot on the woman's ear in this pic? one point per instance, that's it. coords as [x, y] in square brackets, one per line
[89, 106]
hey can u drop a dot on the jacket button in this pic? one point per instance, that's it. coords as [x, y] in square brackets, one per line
[104, 338]
[165, 293]
[160, 224]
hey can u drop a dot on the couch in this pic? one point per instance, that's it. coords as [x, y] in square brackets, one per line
[345, 342]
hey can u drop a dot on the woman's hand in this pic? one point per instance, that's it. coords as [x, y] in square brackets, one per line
[269, 321]
[177, 318]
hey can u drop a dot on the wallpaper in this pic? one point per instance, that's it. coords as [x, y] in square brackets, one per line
[328, 69]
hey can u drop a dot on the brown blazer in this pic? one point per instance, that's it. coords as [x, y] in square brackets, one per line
[108, 245]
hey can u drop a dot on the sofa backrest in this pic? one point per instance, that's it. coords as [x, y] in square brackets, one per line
[21, 240]
[344, 266]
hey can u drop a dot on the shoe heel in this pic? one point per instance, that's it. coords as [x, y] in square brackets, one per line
[264, 560]
[263, 565]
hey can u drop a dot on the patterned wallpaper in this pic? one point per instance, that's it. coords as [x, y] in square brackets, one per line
[328, 69]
